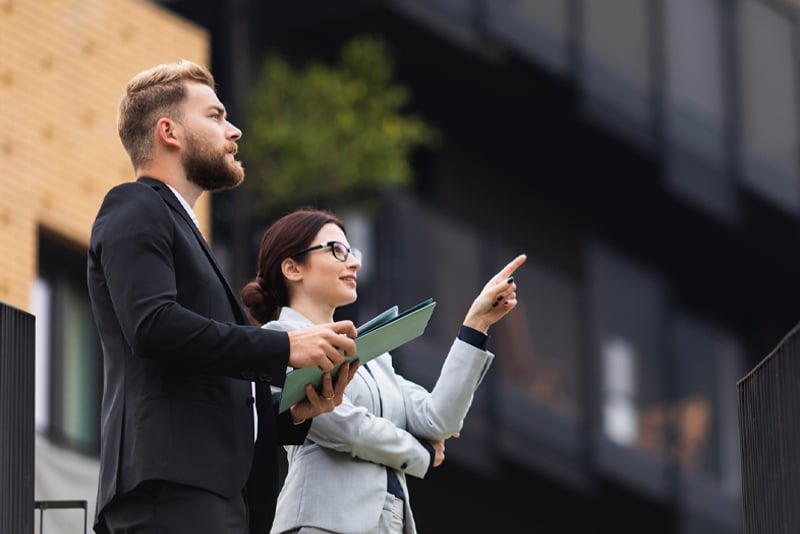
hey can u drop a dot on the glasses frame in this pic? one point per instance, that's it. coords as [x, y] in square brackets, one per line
[332, 244]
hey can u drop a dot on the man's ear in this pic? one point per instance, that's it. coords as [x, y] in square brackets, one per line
[291, 270]
[166, 132]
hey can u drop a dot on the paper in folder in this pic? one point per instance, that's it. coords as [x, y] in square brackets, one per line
[383, 333]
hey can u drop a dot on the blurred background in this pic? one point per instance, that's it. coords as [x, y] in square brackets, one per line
[643, 153]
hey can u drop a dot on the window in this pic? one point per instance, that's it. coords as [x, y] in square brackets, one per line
[540, 342]
[537, 27]
[666, 386]
[615, 65]
[696, 112]
[68, 355]
[532, 388]
[628, 313]
[769, 104]
[708, 362]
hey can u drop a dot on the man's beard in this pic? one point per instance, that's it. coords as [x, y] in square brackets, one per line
[212, 169]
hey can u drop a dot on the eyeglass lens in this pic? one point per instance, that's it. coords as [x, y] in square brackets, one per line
[342, 252]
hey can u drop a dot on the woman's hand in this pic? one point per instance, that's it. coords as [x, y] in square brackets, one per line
[438, 448]
[328, 398]
[496, 299]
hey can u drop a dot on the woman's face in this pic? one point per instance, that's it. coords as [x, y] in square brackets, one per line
[326, 279]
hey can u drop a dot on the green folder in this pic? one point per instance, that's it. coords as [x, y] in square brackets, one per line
[383, 333]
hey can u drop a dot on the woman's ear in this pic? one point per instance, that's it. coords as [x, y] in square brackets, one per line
[291, 270]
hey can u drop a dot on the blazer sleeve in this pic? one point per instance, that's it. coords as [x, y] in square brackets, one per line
[140, 251]
[433, 415]
[288, 432]
[440, 413]
[366, 436]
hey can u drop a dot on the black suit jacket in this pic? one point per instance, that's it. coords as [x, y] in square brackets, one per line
[179, 355]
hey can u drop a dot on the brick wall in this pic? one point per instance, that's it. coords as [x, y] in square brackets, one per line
[63, 67]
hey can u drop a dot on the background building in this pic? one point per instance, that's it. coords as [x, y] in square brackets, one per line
[643, 154]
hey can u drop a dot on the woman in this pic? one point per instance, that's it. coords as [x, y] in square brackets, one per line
[349, 475]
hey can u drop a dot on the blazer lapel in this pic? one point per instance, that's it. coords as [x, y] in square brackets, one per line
[175, 204]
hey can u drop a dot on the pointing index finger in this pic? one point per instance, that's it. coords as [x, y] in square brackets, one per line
[512, 266]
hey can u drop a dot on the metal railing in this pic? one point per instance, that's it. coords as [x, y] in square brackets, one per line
[17, 340]
[43, 506]
[770, 438]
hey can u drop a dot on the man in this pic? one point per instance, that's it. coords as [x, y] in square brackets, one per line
[181, 359]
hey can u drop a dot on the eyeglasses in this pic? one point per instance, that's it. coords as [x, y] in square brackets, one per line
[339, 250]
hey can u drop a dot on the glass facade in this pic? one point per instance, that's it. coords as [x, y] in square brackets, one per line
[650, 379]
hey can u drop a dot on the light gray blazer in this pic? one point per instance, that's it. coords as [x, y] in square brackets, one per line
[337, 479]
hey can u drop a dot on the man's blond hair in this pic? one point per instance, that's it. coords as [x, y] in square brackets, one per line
[154, 93]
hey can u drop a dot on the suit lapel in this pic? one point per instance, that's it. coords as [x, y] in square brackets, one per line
[168, 196]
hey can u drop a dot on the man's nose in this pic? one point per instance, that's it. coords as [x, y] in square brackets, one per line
[235, 133]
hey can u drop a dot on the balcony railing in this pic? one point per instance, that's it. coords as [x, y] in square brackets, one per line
[770, 439]
[16, 420]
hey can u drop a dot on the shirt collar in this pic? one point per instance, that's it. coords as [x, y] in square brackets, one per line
[185, 205]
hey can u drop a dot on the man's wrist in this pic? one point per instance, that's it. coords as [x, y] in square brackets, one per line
[295, 420]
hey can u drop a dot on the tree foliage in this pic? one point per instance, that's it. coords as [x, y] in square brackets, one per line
[330, 133]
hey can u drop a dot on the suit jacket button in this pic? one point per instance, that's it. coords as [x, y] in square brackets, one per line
[250, 401]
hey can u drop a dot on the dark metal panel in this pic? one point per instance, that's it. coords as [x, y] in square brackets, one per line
[770, 440]
[17, 342]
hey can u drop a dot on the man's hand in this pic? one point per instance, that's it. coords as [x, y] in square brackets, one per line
[324, 345]
[328, 398]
